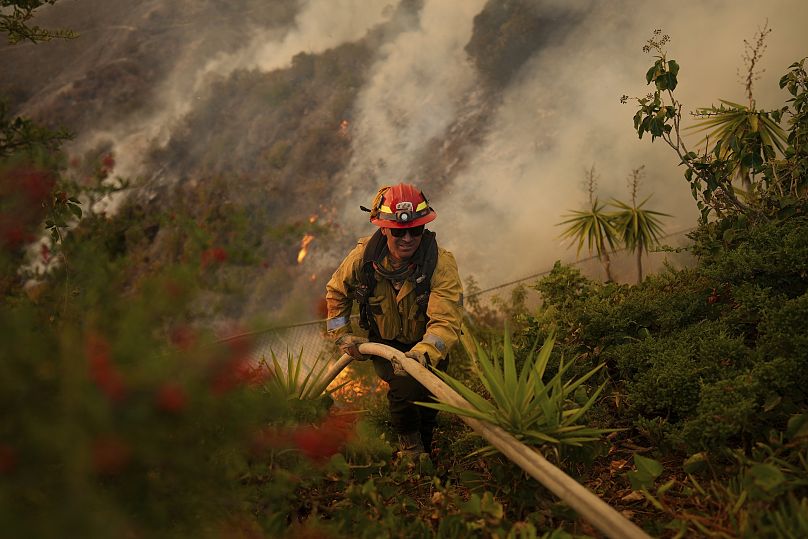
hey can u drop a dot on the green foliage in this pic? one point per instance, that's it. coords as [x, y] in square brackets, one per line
[638, 228]
[593, 227]
[635, 227]
[745, 142]
[746, 137]
[115, 420]
[298, 380]
[646, 473]
[19, 135]
[533, 411]
[14, 22]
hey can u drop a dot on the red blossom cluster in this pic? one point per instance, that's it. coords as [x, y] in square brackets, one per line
[183, 337]
[214, 255]
[107, 163]
[171, 398]
[318, 443]
[24, 192]
[237, 368]
[102, 370]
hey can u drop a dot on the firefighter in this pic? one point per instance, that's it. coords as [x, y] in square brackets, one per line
[410, 297]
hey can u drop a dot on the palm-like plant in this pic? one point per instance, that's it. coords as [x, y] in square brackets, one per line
[532, 410]
[638, 228]
[745, 137]
[593, 227]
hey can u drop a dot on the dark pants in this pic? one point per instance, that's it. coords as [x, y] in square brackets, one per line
[404, 390]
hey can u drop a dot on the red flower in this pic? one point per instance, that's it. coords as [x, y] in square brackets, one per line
[171, 398]
[235, 373]
[713, 297]
[102, 371]
[109, 455]
[8, 459]
[45, 252]
[319, 443]
[108, 162]
[271, 438]
[238, 368]
[183, 337]
[36, 184]
[213, 255]
[12, 233]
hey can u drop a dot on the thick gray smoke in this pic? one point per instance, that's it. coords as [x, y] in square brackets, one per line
[413, 92]
[560, 116]
[319, 25]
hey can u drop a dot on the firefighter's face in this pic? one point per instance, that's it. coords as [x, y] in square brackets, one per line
[402, 247]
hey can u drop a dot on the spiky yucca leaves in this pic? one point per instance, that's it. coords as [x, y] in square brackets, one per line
[535, 412]
[744, 136]
[638, 228]
[593, 227]
[287, 382]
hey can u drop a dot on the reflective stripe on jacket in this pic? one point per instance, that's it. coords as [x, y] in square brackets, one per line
[396, 313]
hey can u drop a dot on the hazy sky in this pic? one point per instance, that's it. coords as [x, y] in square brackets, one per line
[560, 115]
[563, 114]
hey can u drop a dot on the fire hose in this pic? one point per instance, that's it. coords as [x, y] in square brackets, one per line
[597, 512]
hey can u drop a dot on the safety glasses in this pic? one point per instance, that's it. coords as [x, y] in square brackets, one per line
[414, 231]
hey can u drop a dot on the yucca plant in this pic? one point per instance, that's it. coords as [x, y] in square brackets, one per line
[742, 135]
[534, 411]
[638, 228]
[594, 228]
[288, 382]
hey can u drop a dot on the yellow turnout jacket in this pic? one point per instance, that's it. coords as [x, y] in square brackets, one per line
[396, 313]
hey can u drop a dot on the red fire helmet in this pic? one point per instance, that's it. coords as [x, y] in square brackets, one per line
[401, 206]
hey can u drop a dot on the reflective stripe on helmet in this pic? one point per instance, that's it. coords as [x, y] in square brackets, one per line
[401, 206]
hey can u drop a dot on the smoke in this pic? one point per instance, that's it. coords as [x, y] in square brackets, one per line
[562, 115]
[413, 94]
[557, 117]
[318, 26]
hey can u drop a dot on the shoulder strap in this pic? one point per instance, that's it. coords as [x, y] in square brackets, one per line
[367, 279]
[426, 266]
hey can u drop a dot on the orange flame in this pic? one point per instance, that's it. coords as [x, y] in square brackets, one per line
[344, 125]
[355, 390]
[304, 247]
[313, 219]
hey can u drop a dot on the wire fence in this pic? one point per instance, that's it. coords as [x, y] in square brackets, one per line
[309, 338]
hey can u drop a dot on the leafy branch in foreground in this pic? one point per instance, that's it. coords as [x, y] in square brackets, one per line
[15, 17]
[535, 412]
